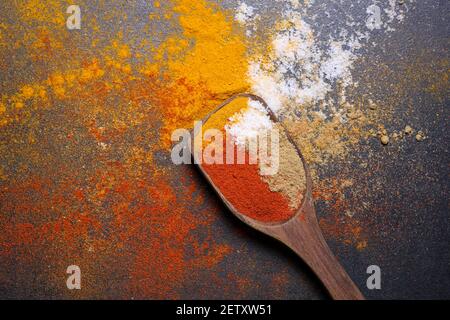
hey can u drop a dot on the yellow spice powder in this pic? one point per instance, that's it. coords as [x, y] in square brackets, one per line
[206, 64]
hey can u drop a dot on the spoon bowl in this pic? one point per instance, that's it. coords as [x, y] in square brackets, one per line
[301, 232]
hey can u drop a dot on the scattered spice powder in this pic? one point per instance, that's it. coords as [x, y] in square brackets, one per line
[384, 139]
[118, 213]
[111, 211]
[204, 65]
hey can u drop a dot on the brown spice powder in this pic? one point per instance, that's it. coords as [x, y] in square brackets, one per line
[290, 180]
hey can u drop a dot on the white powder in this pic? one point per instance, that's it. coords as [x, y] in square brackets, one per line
[299, 71]
[248, 123]
[293, 3]
[374, 20]
[244, 13]
[391, 11]
[246, 16]
[267, 86]
[338, 65]
[384, 17]
[303, 67]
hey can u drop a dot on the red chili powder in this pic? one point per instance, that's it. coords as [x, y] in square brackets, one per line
[243, 187]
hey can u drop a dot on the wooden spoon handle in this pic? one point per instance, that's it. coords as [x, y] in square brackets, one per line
[331, 273]
[306, 239]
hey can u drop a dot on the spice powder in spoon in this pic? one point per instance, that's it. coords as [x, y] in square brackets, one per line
[267, 198]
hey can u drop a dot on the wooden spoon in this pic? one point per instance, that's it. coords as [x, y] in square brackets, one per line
[301, 233]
